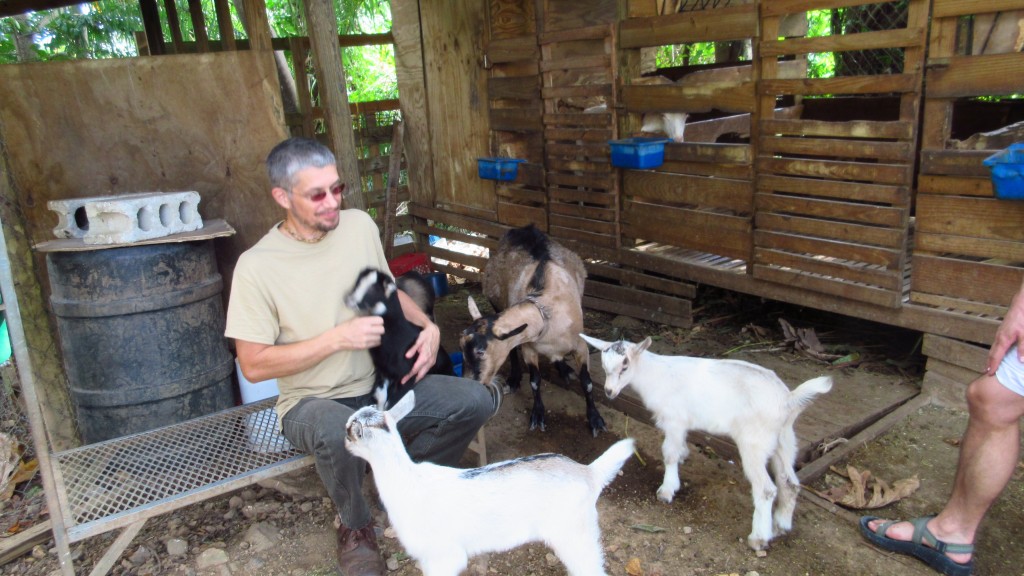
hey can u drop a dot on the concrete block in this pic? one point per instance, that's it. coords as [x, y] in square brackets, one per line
[127, 217]
[144, 217]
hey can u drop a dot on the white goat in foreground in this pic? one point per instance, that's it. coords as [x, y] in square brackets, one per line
[744, 401]
[443, 515]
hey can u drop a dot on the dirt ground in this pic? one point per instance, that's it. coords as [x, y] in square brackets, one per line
[702, 532]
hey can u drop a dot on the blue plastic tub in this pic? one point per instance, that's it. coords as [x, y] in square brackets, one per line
[1008, 172]
[499, 168]
[457, 362]
[638, 153]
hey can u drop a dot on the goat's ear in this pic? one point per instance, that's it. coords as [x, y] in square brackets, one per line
[512, 332]
[474, 311]
[601, 345]
[404, 406]
[643, 345]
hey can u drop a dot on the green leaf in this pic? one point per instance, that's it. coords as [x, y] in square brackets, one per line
[647, 528]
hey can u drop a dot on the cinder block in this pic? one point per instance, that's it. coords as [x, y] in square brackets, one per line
[128, 217]
[141, 218]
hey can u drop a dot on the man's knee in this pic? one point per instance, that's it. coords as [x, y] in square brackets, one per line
[990, 402]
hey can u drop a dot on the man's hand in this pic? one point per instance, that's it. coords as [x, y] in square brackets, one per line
[360, 333]
[426, 345]
[1010, 332]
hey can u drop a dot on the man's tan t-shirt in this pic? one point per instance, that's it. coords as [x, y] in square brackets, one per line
[286, 291]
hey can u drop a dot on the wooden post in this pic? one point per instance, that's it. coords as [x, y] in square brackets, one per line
[174, 23]
[41, 353]
[254, 14]
[391, 192]
[405, 27]
[195, 12]
[322, 25]
[227, 29]
[151, 22]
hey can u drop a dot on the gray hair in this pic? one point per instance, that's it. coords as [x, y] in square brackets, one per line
[293, 155]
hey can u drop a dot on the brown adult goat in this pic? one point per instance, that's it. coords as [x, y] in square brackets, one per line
[536, 286]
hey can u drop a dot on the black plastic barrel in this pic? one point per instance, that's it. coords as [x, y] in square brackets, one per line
[142, 331]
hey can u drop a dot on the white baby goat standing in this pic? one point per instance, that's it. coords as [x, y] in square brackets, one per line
[744, 401]
[444, 515]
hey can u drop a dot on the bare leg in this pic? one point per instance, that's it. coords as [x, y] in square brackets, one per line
[989, 454]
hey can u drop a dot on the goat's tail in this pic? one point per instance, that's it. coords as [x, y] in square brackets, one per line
[805, 393]
[607, 466]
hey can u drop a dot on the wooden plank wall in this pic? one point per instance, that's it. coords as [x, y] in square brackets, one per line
[513, 90]
[969, 246]
[833, 199]
[702, 197]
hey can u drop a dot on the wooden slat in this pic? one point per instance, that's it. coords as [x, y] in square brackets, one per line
[566, 234]
[597, 32]
[955, 162]
[958, 306]
[640, 280]
[576, 134]
[555, 149]
[579, 164]
[951, 8]
[899, 38]
[732, 171]
[868, 129]
[836, 210]
[975, 217]
[783, 7]
[962, 354]
[874, 84]
[589, 196]
[977, 281]
[596, 120]
[481, 225]
[893, 195]
[516, 215]
[599, 62]
[1010, 250]
[579, 211]
[712, 233]
[795, 279]
[731, 23]
[598, 181]
[515, 120]
[685, 189]
[886, 279]
[967, 76]
[656, 303]
[873, 255]
[892, 152]
[484, 241]
[523, 88]
[842, 231]
[513, 49]
[954, 185]
[877, 173]
[634, 311]
[701, 98]
[583, 224]
[581, 91]
[706, 152]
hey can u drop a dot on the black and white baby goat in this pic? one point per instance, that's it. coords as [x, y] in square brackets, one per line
[376, 293]
[443, 516]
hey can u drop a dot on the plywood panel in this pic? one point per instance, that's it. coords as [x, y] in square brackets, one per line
[97, 127]
[456, 98]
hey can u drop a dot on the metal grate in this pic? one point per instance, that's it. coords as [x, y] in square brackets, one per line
[143, 470]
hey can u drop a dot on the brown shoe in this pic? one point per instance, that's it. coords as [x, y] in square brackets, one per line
[358, 554]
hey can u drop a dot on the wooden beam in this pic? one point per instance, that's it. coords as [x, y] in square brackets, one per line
[151, 22]
[405, 21]
[256, 24]
[174, 24]
[195, 12]
[322, 24]
[224, 24]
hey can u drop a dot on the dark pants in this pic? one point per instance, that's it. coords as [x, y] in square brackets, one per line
[449, 411]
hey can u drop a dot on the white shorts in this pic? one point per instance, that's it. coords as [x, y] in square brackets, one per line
[1011, 372]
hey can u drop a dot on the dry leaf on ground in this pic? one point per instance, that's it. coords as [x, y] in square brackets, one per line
[857, 495]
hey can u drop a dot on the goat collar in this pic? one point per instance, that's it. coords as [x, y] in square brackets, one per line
[545, 312]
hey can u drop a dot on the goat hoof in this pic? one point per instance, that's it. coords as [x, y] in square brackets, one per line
[666, 497]
[757, 544]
